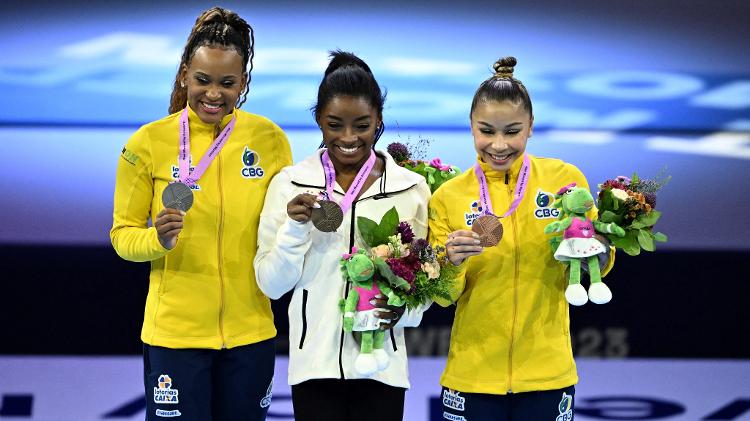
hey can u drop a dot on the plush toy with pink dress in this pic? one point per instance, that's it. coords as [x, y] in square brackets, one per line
[578, 244]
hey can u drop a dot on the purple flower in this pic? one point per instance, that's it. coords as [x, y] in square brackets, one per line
[406, 233]
[402, 269]
[399, 152]
[421, 248]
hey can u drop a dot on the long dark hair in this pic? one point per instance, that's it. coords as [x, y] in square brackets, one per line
[220, 27]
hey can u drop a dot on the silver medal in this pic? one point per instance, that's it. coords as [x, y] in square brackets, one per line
[177, 196]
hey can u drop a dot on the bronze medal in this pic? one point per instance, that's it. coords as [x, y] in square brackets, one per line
[489, 228]
[328, 217]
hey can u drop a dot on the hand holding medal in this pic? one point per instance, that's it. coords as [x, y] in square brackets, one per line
[177, 197]
[486, 230]
[329, 215]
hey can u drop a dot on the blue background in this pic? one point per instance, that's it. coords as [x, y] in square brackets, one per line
[617, 87]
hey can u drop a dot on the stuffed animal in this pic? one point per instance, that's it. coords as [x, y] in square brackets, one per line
[578, 244]
[358, 268]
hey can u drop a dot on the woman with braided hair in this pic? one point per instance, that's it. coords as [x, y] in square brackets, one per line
[510, 355]
[200, 176]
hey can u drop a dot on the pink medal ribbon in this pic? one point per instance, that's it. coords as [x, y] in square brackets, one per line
[357, 184]
[520, 190]
[191, 177]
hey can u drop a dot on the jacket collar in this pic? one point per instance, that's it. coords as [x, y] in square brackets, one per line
[495, 174]
[310, 173]
[197, 125]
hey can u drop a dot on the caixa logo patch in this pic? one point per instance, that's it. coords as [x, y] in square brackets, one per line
[475, 212]
[176, 174]
[544, 208]
[251, 164]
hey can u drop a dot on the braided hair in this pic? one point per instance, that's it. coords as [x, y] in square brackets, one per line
[502, 86]
[216, 27]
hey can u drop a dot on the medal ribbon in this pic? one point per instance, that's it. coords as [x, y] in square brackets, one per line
[357, 184]
[520, 191]
[191, 177]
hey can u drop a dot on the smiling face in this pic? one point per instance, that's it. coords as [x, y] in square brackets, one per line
[214, 79]
[349, 125]
[501, 130]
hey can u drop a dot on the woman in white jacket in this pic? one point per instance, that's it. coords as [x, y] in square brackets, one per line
[294, 255]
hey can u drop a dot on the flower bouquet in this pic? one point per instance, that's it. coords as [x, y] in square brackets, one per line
[435, 172]
[630, 203]
[413, 270]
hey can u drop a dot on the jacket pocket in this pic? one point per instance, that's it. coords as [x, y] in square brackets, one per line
[304, 318]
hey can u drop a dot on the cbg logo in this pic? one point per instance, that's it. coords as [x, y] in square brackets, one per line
[544, 207]
[251, 162]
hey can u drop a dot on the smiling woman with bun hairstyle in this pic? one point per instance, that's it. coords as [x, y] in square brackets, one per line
[294, 254]
[510, 354]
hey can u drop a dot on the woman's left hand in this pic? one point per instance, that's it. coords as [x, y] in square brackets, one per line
[388, 312]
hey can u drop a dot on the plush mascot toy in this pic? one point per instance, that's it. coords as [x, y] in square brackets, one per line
[360, 270]
[579, 244]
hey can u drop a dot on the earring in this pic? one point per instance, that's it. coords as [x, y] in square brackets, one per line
[182, 84]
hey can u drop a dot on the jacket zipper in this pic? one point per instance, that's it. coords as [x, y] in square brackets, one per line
[304, 318]
[346, 294]
[219, 255]
[516, 259]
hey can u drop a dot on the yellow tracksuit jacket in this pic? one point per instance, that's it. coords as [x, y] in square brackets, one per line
[202, 293]
[511, 329]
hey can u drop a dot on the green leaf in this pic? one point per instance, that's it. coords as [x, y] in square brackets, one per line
[637, 225]
[649, 219]
[387, 226]
[369, 230]
[607, 217]
[660, 237]
[645, 240]
[628, 243]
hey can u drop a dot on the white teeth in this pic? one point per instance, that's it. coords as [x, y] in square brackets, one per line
[211, 106]
[348, 150]
[500, 157]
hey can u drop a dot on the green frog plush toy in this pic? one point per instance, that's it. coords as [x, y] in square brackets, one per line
[358, 268]
[579, 244]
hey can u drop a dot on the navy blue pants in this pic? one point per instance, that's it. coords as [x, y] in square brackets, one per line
[550, 405]
[209, 385]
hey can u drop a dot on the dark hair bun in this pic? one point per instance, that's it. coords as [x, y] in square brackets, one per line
[342, 58]
[504, 67]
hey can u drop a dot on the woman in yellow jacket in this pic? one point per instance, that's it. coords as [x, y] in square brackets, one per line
[510, 354]
[207, 330]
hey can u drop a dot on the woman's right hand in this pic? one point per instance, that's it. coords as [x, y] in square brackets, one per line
[301, 206]
[168, 226]
[461, 245]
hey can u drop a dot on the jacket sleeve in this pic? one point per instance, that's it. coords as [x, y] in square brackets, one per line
[439, 229]
[282, 242]
[412, 318]
[594, 214]
[131, 236]
[284, 155]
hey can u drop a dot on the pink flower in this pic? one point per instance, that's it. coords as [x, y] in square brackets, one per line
[383, 251]
[432, 269]
[439, 165]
